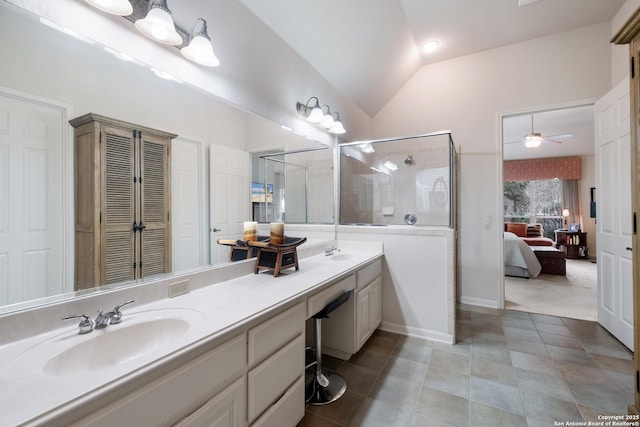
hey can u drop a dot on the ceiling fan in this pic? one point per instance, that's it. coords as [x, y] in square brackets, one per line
[535, 139]
[525, 2]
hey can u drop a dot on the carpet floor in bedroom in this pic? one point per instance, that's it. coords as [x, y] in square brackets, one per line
[572, 296]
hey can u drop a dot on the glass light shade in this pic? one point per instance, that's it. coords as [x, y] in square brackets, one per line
[316, 115]
[337, 128]
[532, 141]
[159, 26]
[327, 121]
[200, 51]
[115, 7]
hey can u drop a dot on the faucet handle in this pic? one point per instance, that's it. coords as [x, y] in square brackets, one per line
[85, 325]
[116, 315]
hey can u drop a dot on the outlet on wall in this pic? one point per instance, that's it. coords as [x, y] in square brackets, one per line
[178, 288]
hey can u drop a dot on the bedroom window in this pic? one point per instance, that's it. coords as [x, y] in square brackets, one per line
[534, 202]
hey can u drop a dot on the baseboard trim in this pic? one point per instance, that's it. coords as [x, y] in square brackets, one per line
[480, 302]
[417, 332]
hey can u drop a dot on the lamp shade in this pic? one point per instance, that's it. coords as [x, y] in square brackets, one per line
[200, 49]
[115, 7]
[337, 127]
[158, 24]
[565, 213]
[533, 140]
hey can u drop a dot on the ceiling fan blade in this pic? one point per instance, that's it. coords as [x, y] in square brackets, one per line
[552, 140]
[525, 2]
[559, 136]
[513, 142]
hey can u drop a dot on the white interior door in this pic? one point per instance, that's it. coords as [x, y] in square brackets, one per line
[230, 197]
[31, 200]
[613, 222]
[188, 222]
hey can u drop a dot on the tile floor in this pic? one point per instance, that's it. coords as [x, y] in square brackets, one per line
[509, 368]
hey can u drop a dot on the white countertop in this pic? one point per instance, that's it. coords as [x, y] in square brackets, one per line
[27, 394]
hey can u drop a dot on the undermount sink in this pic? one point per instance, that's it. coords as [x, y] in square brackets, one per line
[140, 334]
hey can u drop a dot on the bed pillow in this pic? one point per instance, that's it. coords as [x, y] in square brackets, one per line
[534, 230]
[517, 228]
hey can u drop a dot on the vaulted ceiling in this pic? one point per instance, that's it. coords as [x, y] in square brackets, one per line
[368, 49]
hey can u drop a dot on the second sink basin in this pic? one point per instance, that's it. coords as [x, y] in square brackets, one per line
[69, 354]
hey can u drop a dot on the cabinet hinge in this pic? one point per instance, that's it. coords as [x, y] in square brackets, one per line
[637, 382]
[633, 67]
[635, 228]
[100, 217]
[134, 266]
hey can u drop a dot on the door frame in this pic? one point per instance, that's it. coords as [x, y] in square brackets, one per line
[500, 150]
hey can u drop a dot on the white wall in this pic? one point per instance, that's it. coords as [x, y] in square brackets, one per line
[466, 95]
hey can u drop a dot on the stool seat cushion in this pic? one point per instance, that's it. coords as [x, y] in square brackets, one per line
[324, 313]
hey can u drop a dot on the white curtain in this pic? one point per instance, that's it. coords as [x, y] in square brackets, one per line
[571, 199]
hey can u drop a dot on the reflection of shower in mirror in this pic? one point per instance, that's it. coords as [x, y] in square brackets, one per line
[409, 160]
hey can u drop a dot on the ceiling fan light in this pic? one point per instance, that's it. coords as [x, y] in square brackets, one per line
[533, 140]
[158, 24]
[115, 7]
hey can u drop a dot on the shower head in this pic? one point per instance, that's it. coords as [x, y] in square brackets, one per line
[409, 160]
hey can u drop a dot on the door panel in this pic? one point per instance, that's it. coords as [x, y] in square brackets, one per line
[230, 198]
[613, 227]
[31, 200]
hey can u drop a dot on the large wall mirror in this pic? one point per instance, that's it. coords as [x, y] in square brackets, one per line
[67, 76]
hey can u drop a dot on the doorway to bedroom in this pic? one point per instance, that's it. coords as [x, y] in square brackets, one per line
[548, 185]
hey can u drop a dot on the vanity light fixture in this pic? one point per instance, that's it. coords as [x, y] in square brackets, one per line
[115, 7]
[315, 114]
[327, 120]
[158, 24]
[200, 49]
[337, 127]
[312, 112]
[367, 148]
[390, 165]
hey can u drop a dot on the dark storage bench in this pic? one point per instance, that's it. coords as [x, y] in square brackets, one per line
[551, 259]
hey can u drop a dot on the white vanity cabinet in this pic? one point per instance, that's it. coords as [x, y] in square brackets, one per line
[368, 301]
[169, 398]
[350, 325]
[275, 381]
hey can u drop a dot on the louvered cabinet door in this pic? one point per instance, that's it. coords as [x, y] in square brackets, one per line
[154, 205]
[118, 239]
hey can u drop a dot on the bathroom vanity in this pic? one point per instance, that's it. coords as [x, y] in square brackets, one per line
[228, 354]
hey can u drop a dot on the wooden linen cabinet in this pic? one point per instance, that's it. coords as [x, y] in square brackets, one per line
[122, 191]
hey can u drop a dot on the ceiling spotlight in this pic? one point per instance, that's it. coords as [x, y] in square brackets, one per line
[200, 49]
[115, 7]
[430, 46]
[158, 24]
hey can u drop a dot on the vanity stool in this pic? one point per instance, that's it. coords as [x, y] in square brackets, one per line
[327, 385]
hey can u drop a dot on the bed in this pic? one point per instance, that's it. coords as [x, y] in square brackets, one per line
[519, 259]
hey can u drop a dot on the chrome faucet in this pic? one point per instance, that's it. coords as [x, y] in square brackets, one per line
[110, 318]
[331, 251]
[85, 326]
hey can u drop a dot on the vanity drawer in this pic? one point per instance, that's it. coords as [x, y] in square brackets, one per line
[322, 298]
[269, 380]
[369, 273]
[266, 338]
[287, 411]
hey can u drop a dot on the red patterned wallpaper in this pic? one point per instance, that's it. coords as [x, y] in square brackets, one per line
[538, 169]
